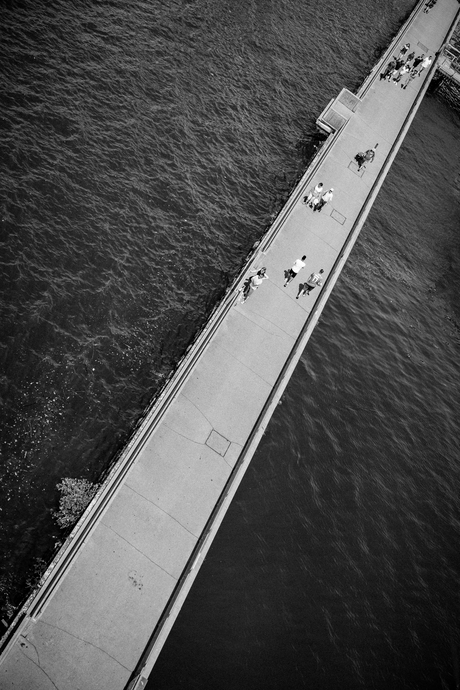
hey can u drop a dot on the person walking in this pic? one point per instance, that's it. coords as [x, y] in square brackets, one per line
[293, 271]
[404, 70]
[313, 281]
[429, 5]
[418, 60]
[425, 64]
[367, 157]
[397, 64]
[403, 51]
[313, 195]
[393, 73]
[410, 57]
[325, 199]
[412, 74]
[253, 283]
[388, 69]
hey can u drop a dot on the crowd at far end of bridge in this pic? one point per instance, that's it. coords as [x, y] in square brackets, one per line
[429, 5]
[405, 67]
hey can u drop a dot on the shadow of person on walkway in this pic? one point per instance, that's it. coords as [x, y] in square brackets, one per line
[302, 287]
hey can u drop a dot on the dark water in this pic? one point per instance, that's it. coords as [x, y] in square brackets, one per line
[144, 147]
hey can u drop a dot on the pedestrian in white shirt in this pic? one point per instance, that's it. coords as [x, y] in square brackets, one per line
[253, 283]
[404, 70]
[293, 271]
[425, 64]
[325, 199]
[313, 195]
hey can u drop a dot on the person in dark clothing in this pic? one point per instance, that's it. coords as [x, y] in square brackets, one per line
[418, 60]
[388, 69]
[407, 80]
[403, 51]
[325, 199]
[398, 76]
[410, 57]
[367, 157]
[395, 71]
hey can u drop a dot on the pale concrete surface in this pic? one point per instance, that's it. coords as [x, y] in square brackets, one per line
[94, 628]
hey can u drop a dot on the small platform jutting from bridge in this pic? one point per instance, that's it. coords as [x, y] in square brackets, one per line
[101, 617]
[449, 63]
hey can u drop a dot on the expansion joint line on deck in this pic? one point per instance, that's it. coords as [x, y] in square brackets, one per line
[162, 510]
[81, 639]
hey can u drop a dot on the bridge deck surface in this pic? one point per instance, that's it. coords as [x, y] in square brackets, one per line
[94, 627]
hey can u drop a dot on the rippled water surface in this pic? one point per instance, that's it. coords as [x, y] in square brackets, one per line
[144, 148]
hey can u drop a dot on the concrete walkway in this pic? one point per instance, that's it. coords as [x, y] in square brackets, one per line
[120, 580]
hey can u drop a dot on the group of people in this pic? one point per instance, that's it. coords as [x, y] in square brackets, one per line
[429, 5]
[402, 69]
[314, 280]
[315, 198]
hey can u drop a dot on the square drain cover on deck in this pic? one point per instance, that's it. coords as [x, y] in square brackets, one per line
[353, 166]
[218, 443]
[338, 217]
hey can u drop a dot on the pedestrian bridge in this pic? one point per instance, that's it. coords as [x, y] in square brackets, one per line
[108, 602]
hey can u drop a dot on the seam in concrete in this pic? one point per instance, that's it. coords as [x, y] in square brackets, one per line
[136, 549]
[226, 461]
[159, 507]
[320, 233]
[192, 440]
[90, 644]
[41, 669]
[28, 642]
[243, 364]
[281, 330]
[197, 443]
[198, 410]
